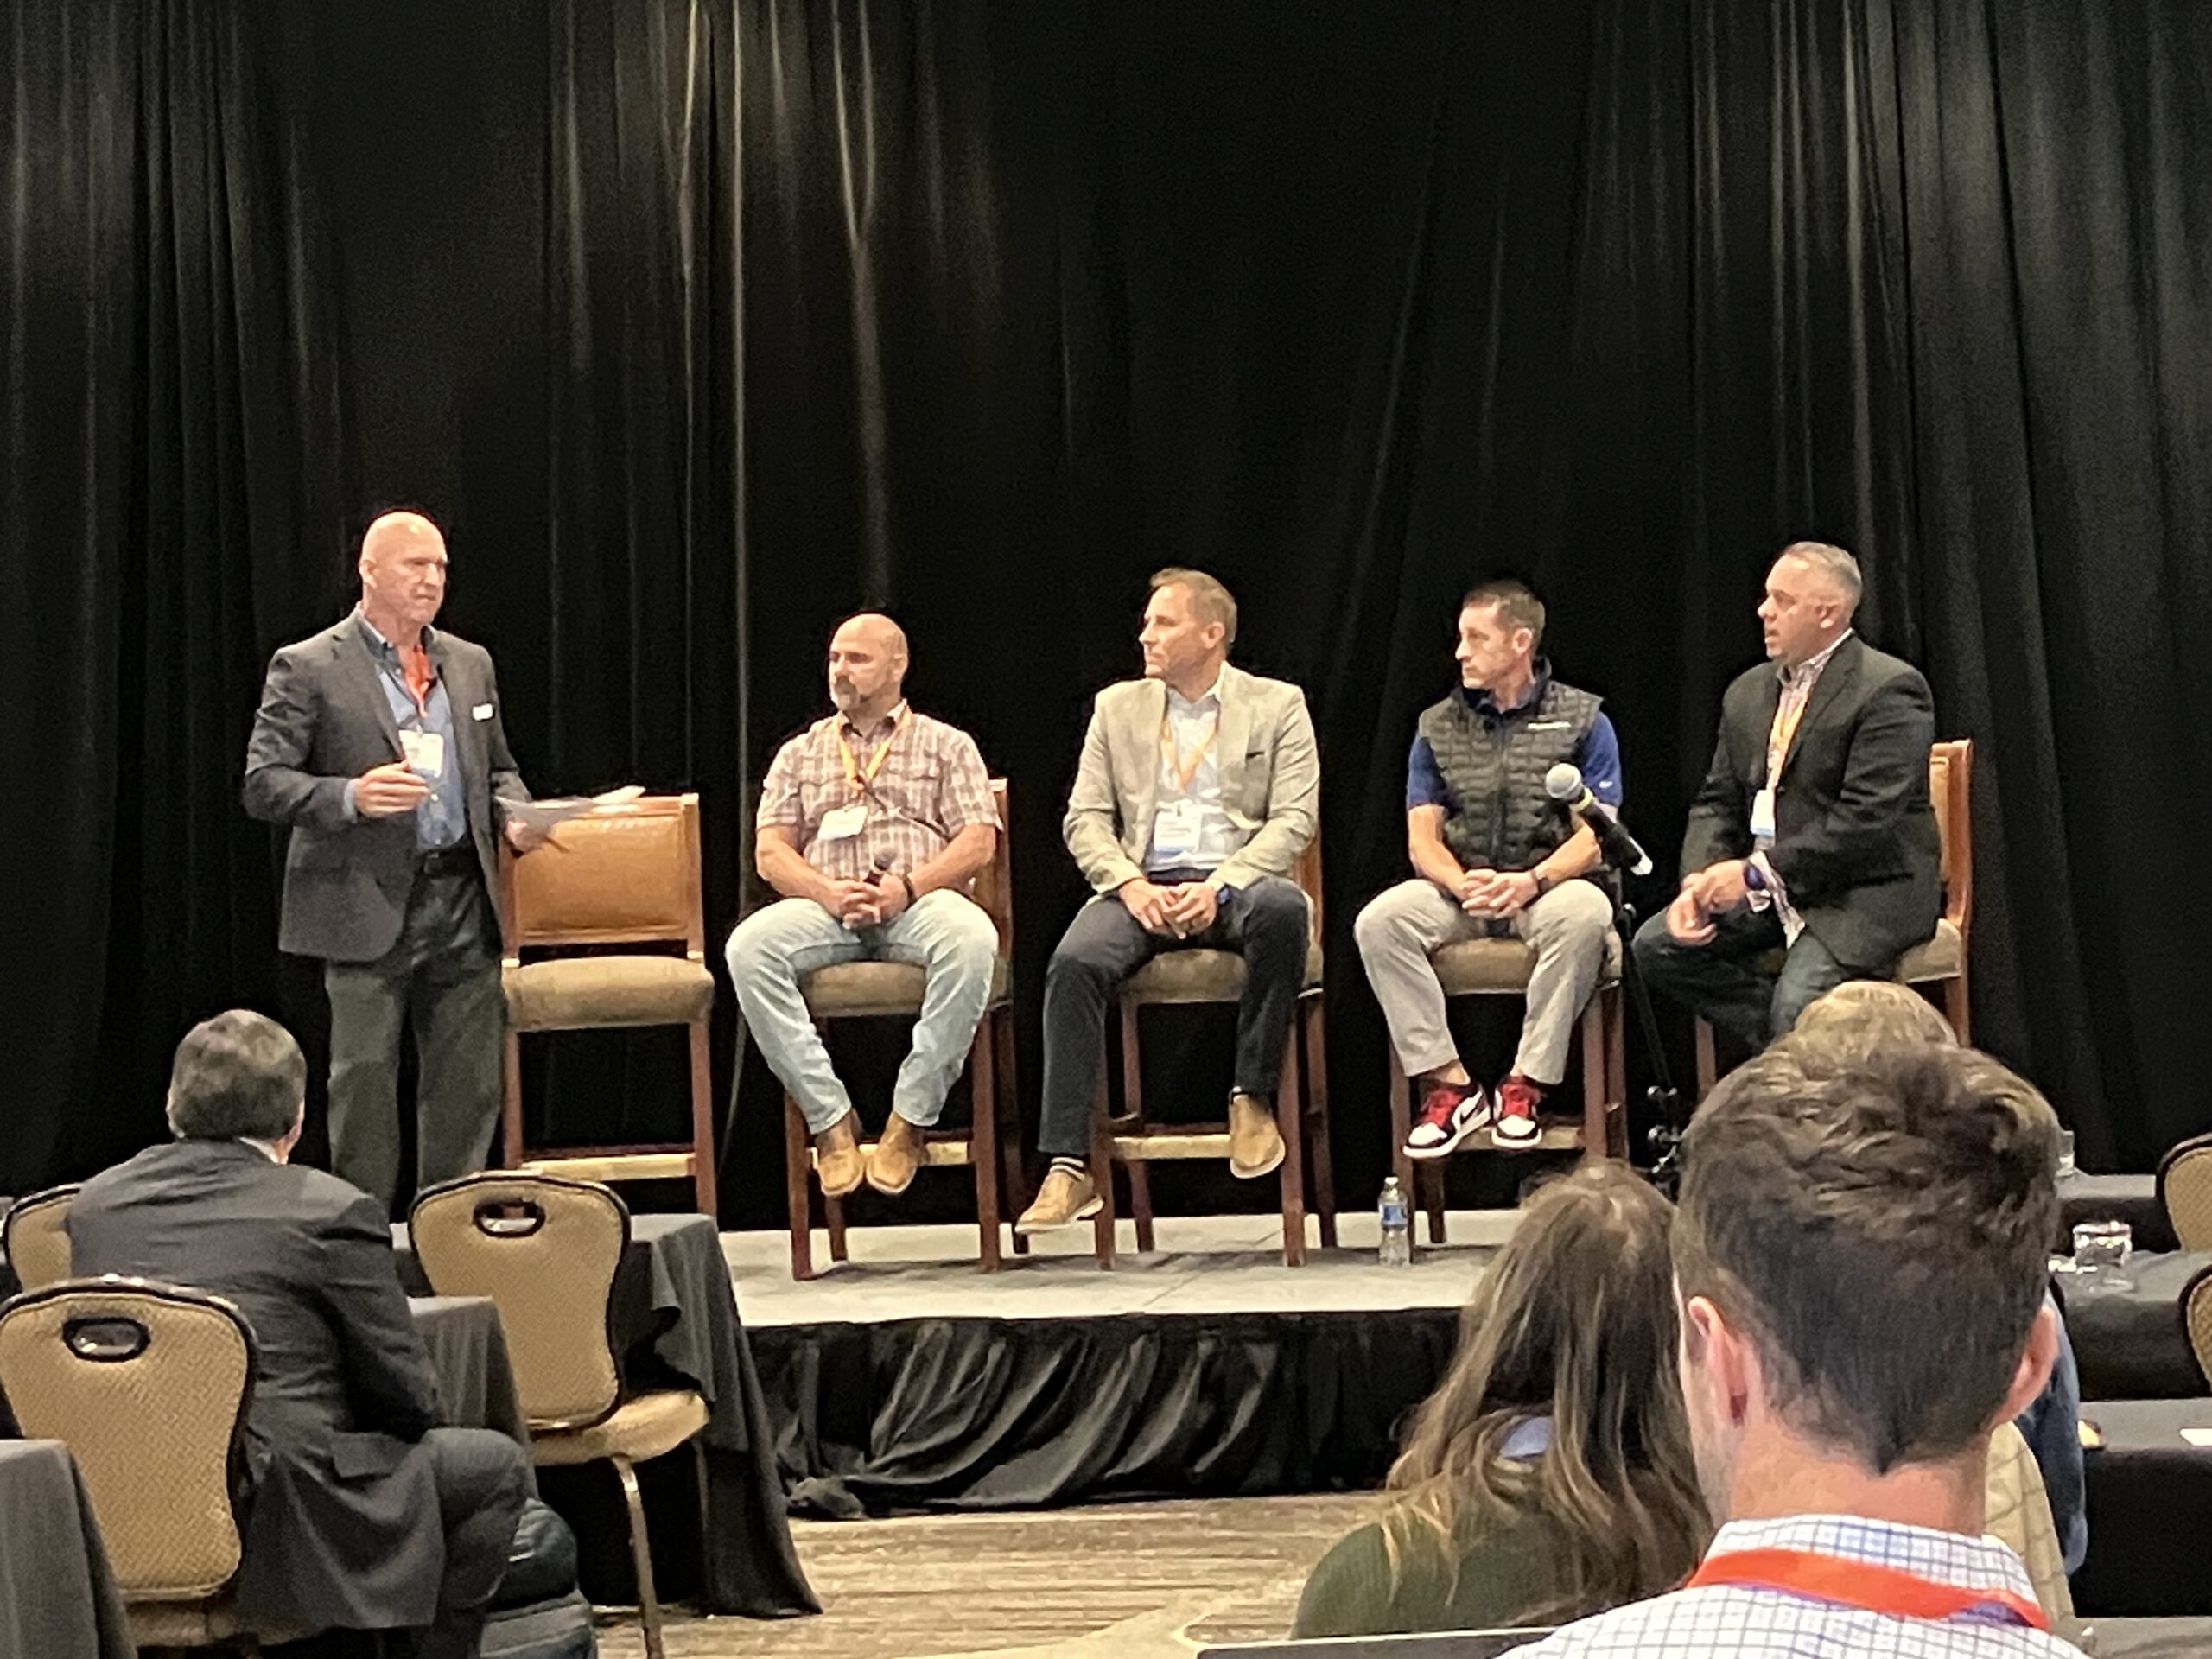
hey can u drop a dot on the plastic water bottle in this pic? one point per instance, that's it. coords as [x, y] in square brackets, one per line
[1397, 1247]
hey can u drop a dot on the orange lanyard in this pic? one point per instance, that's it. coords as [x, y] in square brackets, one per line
[1177, 769]
[1863, 1585]
[1784, 733]
[861, 780]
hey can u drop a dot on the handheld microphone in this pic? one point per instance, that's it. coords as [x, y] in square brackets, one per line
[1563, 782]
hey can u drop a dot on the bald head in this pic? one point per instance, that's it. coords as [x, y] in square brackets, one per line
[403, 575]
[868, 666]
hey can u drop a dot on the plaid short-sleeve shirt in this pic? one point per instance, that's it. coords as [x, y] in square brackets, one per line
[1723, 1621]
[930, 786]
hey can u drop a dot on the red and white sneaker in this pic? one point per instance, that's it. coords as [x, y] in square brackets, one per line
[1517, 1101]
[1450, 1112]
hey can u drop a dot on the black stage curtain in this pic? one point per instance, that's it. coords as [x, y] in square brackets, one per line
[702, 323]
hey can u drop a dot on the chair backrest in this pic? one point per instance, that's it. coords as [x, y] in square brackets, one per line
[2197, 1315]
[33, 1235]
[2185, 1192]
[1950, 788]
[994, 882]
[626, 875]
[2015, 1508]
[545, 1249]
[148, 1385]
[1424, 1644]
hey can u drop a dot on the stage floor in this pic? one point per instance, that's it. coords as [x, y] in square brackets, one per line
[1206, 1266]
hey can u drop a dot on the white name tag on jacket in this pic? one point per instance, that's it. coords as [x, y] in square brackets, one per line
[1763, 814]
[425, 752]
[1175, 828]
[481, 711]
[843, 823]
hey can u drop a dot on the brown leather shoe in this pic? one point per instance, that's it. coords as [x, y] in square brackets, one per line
[837, 1158]
[895, 1157]
[1063, 1197]
[1254, 1142]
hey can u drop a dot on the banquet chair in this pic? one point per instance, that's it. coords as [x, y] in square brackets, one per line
[627, 875]
[2184, 1191]
[545, 1249]
[2197, 1315]
[33, 1237]
[991, 1144]
[148, 1385]
[1501, 967]
[1132, 1141]
[1944, 958]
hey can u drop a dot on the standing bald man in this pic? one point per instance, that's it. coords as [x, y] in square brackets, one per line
[873, 823]
[379, 744]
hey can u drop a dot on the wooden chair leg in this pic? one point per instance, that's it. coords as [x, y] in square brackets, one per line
[702, 1122]
[1290, 1098]
[1958, 1006]
[1708, 1069]
[1102, 1175]
[1596, 1144]
[641, 1556]
[983, 1140]
[1015, 1194]
[511, 1143]
[1133, 1109]
[833, 1212]
[1616, 1005]
[798, 1187]
[1312, 1021]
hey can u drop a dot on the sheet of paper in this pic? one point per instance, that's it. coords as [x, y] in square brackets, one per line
[557, 809]
[2197, 1436]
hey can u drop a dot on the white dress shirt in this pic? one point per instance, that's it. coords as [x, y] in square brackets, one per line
[1797, 685]
[1191, 729]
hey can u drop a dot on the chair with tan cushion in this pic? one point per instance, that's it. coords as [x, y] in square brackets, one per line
[991, 1144]
[1131, 1140]
[1943, 959]
[2016, 1511]
[148, 1385]
[545, 1249]
[1501, 967]
[2197, 1316]
[2184, 1192]
[34, 1240]
[623, 875]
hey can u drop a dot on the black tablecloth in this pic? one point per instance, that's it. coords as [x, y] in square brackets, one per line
[2130, 1199]
[2150, 1497]
[676, 1319]
[468, 1351]
[2130, 1339]
[58, 1599]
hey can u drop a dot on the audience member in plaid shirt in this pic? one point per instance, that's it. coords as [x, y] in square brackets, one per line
[1859, 1265]
[873, 824]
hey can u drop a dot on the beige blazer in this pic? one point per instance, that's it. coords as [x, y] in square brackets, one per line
[1270, 779]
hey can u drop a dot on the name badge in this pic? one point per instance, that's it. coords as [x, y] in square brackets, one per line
[1763, 814]
[843, 823]
[1175, 830]
[425, 752]
[481, 711]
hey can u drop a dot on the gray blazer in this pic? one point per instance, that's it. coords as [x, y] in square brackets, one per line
[324, 720]
[1270, 779]
[343, 1525]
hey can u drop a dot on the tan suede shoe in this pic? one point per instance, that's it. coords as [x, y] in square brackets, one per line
[1064, 1198]
[837, 1159]
[1254, 1142]
[895, 1157]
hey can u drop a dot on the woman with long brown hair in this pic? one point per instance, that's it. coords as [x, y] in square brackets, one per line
[1549, 1475]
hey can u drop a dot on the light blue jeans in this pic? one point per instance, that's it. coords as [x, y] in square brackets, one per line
[947, 936]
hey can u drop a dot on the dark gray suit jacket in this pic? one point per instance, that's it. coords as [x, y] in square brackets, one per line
[1855, 839]
[324, 720]
[343, 1526]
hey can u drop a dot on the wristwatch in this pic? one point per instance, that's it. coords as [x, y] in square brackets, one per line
[908, 882]
[1754, 877]
[1544, 882]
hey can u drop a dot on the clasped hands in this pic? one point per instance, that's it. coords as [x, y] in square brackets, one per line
[395, 787]
[1176, 912]
[1496, 893]
[865, 903]
[1705, 895]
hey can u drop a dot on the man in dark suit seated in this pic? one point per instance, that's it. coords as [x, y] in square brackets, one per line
[1812, 833]
[361, 1513]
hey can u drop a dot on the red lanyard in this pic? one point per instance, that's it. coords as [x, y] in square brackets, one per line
[1861, 1584]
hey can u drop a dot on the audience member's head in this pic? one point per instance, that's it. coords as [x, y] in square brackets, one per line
[1574, 1321]
[1859, 1253]
[1867, 1016]
[237, 1076]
